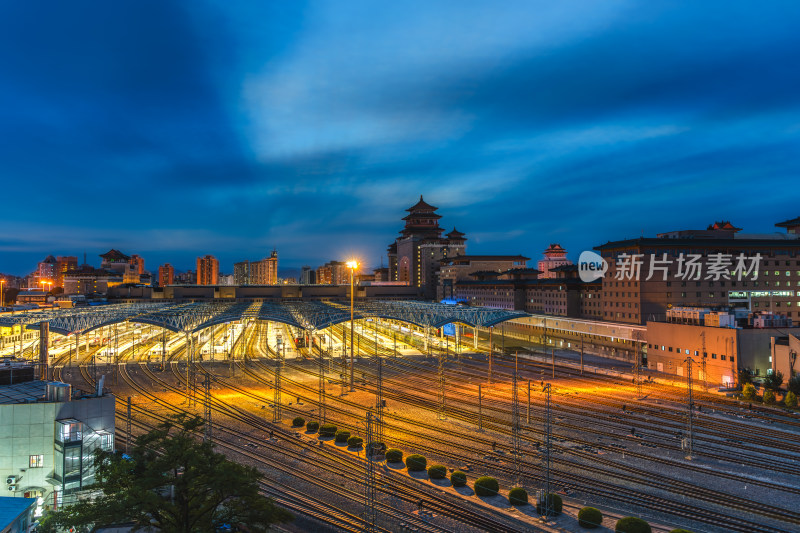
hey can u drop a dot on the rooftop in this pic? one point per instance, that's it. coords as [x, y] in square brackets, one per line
[422, 205]
[789, 223]
[12, 508]
[27, 392]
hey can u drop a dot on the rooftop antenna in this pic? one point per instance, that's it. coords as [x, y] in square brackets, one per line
[84, 258]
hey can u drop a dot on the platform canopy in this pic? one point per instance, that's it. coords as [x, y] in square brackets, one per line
[307, 315]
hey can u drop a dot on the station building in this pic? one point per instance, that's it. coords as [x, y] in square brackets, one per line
[48, 435]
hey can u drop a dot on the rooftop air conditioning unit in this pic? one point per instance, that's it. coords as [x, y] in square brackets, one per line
[11, 479]
[12, 488]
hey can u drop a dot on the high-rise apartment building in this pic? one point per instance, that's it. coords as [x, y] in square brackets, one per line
[137, 262]
[63, 265]
[333, 273]
[308, 276]
[262, 272]
[166, 275]
[47, 271]
[415, 256]
[207, 270]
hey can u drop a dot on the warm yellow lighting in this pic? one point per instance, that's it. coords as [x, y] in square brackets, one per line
[352, 265]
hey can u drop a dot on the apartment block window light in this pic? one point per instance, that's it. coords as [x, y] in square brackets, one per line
[36, 461]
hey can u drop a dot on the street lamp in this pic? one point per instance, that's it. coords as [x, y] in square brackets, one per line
[352, 265]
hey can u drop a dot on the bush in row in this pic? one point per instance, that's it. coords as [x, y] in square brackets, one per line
[342, 435]
[354, 441]
[518, 496]
[393, 455]
[590, 518]
[327, 430]
[631, 524]
[416, 463]
[458, 478]
[298, 421]
[790, 400]
[553, 501]
[769, 397]
[437, 472]
[312, 426]
[749, 392]
[486, 486]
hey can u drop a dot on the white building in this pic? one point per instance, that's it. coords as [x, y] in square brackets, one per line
[48, 436]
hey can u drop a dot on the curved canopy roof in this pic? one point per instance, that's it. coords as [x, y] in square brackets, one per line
[309, 315]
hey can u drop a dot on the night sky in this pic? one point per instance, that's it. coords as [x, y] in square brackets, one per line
[178, 129]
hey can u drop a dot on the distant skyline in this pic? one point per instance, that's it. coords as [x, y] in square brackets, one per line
[174, 130]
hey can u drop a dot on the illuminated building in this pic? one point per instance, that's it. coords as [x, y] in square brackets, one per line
[137, 262]
[262, 272]
[207, 270]
[333, 273]
[555, 256]
[166, 275]
[461, 267]
[116, 261]
[47, 270]
[63, 265]
[775, 288]
[49, 436]
[415, 256]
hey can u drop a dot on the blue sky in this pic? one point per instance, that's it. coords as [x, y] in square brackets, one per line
[178, 129]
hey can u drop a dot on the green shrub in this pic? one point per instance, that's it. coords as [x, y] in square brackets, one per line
[769, 397]
[298, 421]
[518, 496]
[745, 376]
[312, 426]
[555, 502]
[437, 472]
[790, 399]
[590, 518]
[773, 380]
[342, 435]
[680, 530]
[327, 430]
[458, 478]
[354, 441]
[631, 524]
[749, 392]
[794, 383]
[393, 455]
[416, 463]
[486, 486]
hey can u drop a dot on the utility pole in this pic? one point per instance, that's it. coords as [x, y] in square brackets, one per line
[370, 513]
[554, 362]
[528, 417]
[379, 424]
[321, 402]
[491, 329]
[207, 407]
[128, 427]
[703, 361]
[480, 408]
[688, 444]
[277, 415]
[442, 413]
[581, 354]
[545, 500]
[515, 425]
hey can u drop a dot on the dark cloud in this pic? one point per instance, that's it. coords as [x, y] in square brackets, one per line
[177, 129]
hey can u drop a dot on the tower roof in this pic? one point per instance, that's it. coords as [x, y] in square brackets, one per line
[114, 255]
[789, 223]
[723, 225]
[455, 234]
[422, 206]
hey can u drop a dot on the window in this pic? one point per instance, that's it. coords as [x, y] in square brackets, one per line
[722, 357]
[713, 356]
[731, 359]
[36, 461]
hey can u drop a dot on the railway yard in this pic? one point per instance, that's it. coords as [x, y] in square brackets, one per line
[615, 445]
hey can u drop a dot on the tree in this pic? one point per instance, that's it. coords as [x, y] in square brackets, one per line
[173, 483]
[790, 400]
[794, 384]
[745, 376]
[769, 397]
[749, 392]
[774, 380]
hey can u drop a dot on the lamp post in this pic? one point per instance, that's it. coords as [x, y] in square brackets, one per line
[352, 265]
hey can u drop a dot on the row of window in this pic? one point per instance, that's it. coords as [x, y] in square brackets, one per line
[722, 357]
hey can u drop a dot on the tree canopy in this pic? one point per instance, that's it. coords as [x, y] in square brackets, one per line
[174, 483]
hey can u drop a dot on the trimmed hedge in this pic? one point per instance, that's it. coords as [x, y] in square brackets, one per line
[416, 463]
[556, 504]
[590, 518]
[342, 435]
[486, 486]
[518, 496]
[790, 400]
[769, 397]
[631, 524]
[458, 478]
[298, 421]
[312, 426]
[327, 430]
[680, 530]
[355, 441]
[437, 472]
[393, 455]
